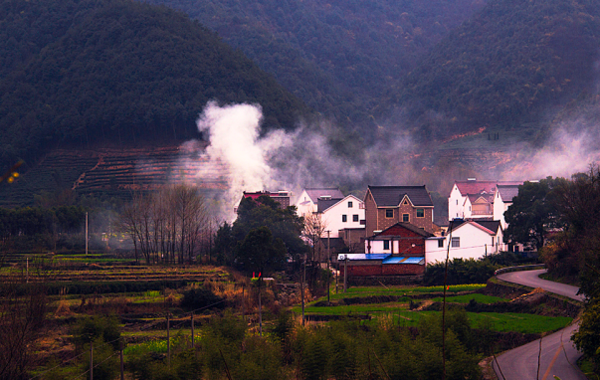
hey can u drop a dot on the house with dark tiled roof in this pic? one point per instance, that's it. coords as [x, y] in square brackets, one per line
[503, 199]
[340, 214]
[388, 205]
[308, 200]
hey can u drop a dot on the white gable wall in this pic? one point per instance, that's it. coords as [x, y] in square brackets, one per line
[456, 202]
[305, 205]
[333, 217]
[500, 207]
[474, 244]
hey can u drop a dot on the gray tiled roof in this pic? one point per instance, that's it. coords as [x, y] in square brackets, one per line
[490, 225]
[314, 193]
[508, 192]
[390, 196]
[324, 204]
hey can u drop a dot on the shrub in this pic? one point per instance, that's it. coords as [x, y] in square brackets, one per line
[91, 328]
[200, 297]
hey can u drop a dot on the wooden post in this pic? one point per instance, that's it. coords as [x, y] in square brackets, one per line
[302, 289]
[121, 354]
[28, 270]
[91, 360]
[259, 305]
[192, 330]
[345, 272]
[86, 233]
[168, 342]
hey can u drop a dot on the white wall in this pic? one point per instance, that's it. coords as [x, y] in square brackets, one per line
[305, 205]
[473, 243]
[500, 208]
[332, 217]
[455, 210]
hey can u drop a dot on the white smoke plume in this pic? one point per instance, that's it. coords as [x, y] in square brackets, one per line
[567, 152]
[275, 161]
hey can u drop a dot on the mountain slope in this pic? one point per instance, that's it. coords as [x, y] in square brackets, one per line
[338, 56]
[120, 71]
[509, 64]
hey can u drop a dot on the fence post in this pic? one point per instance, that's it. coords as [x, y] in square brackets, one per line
[192, 330]
[168, 342]
[121, 354]
[91, 360]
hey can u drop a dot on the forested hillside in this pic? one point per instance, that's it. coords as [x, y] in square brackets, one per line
[79, 71]
[338, 56]
[515, 61]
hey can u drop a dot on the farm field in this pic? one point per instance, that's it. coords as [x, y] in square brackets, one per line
[141, 296]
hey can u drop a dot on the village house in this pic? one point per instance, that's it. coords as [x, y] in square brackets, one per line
[503, 199]
[282, 197]
[468, 239]
[307, 202]
[388, 205]
[340, 214]
[473, 199]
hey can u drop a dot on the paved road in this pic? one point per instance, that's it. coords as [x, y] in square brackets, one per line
[558, 355]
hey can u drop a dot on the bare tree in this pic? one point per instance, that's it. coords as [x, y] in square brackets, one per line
[22, 314]
[314, 230]
[167, 226]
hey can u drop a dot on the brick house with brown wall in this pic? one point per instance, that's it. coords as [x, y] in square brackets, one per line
[388, 205]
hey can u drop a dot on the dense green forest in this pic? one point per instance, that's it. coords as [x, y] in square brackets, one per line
[338, 56]
[508, 64]
[83, 71]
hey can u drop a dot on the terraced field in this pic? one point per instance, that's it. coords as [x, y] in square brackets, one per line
[116, 172]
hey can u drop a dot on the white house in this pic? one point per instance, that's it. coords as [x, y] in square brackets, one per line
[468, 240]
[308, 199]
[339, 214]
[503, 198]
[472, 199]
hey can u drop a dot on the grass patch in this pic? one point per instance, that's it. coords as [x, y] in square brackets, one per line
[480, 298]
[401, 290]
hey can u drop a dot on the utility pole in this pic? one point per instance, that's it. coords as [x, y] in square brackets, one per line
[345, 272]
[302, 288]
[86, 233]
[328, 269]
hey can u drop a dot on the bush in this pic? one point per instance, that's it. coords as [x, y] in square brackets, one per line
[90, 329]
[200, 297]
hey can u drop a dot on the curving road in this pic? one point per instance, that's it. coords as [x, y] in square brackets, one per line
[558, 355]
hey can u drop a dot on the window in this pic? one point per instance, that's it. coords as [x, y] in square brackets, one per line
[455, 242]
[344, 218]
[355, 218]
[457, 202]
[420, 213]
[386, 245]
[389, 213]
[441, 243]
[349, 204]
[405, 202]
[405, 218]
[492, 241]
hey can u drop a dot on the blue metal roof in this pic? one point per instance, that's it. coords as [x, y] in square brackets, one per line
[404, 260]
[362, 256]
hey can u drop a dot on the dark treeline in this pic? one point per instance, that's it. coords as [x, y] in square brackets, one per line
[38, 227]
[79, 71]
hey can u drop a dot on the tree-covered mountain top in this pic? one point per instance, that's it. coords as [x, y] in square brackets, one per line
[510, 62]
[338, 56]
[120, 71]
